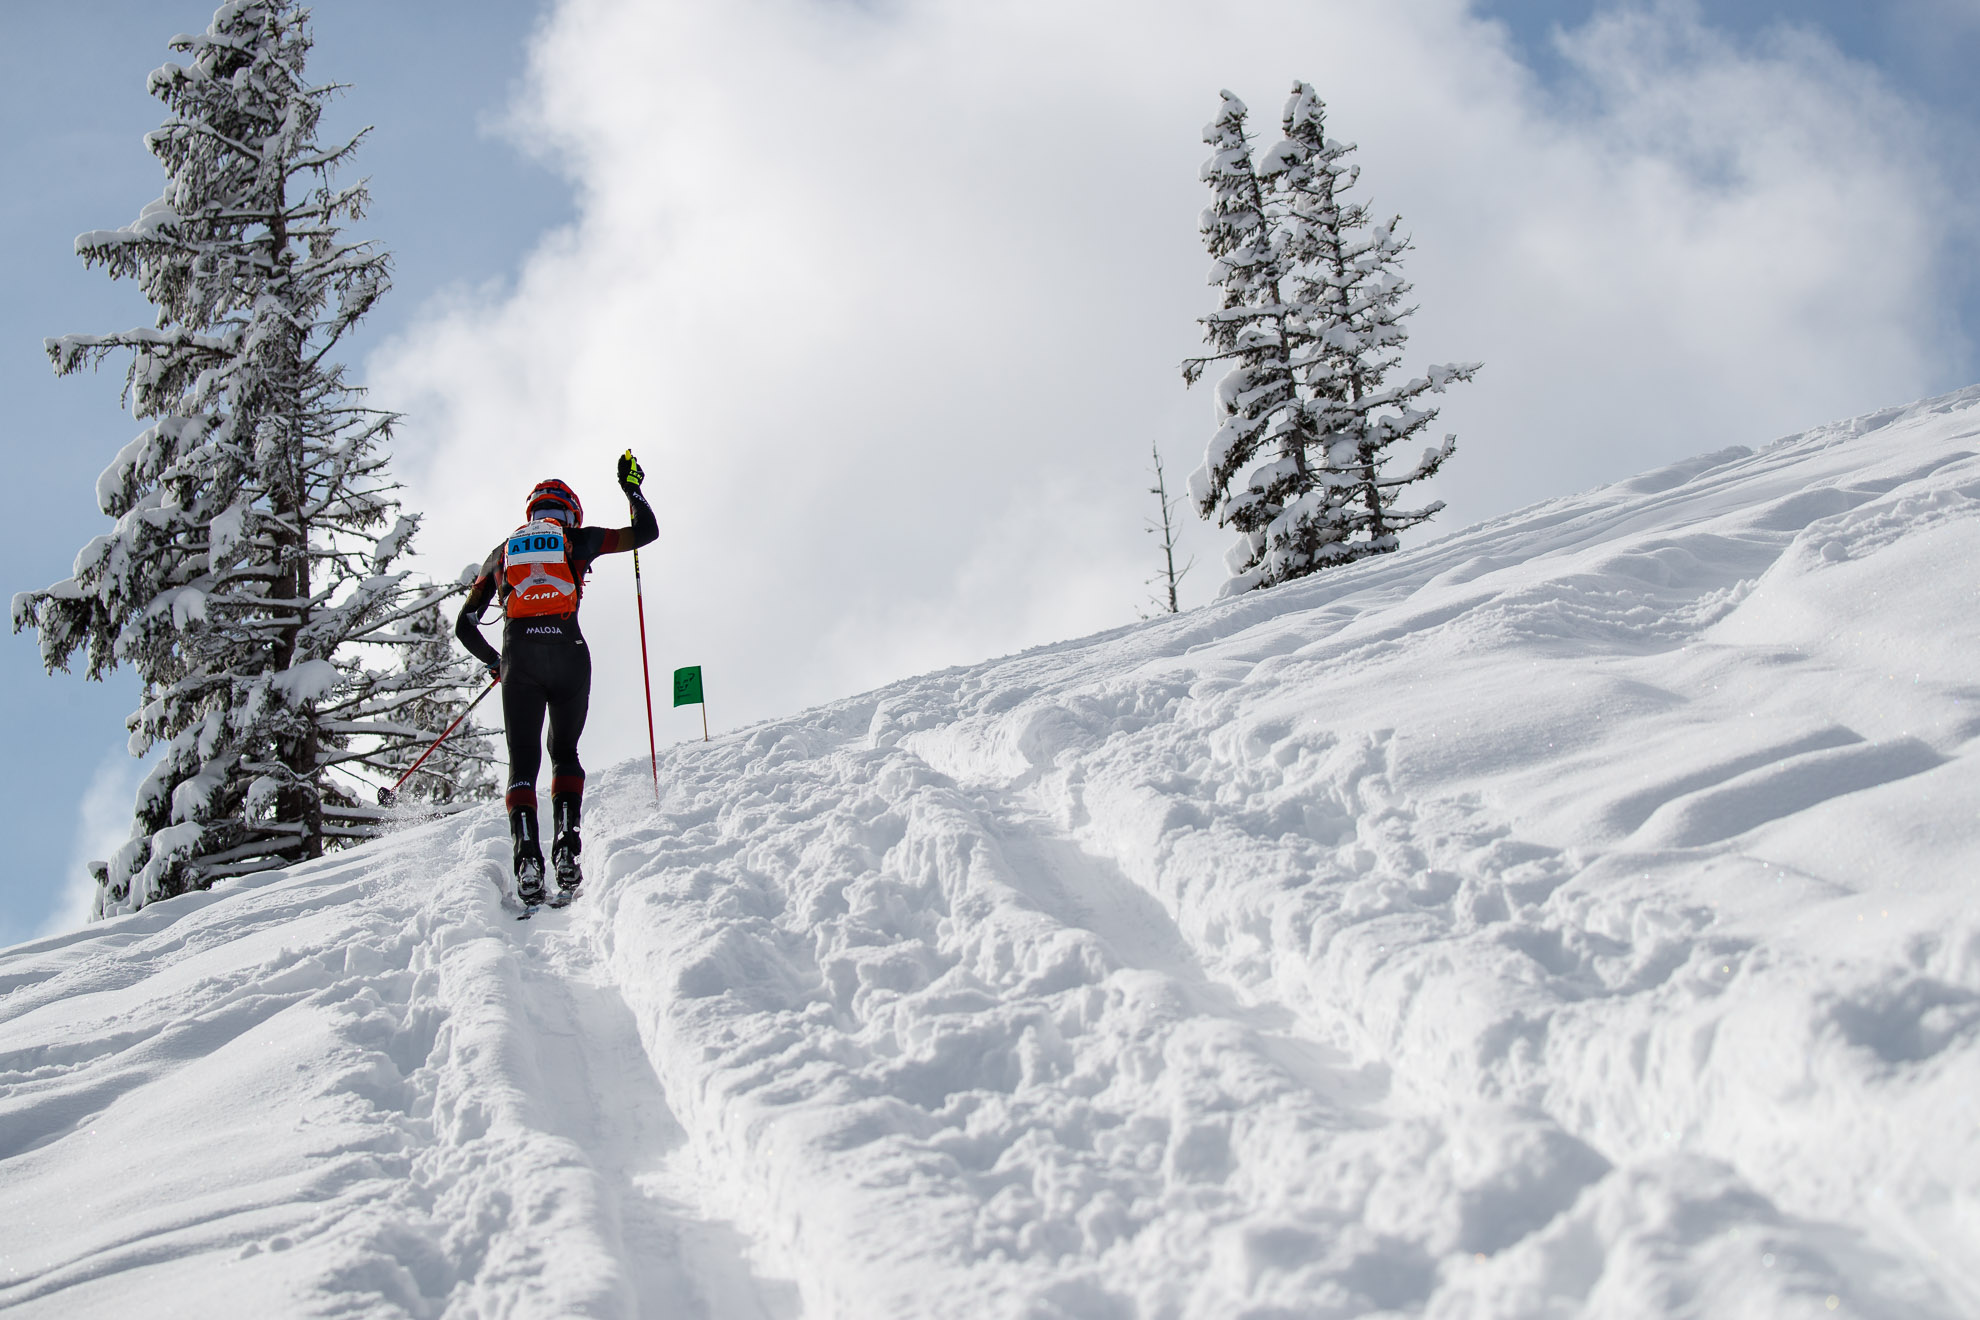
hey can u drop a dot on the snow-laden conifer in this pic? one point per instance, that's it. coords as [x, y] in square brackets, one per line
[252, 577]
[1311, 318]
[1258, 398]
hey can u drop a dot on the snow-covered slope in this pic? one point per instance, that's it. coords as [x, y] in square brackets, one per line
[1567, 918]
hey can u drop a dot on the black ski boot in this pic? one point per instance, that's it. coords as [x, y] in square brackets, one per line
[528, 855]
[565, 846]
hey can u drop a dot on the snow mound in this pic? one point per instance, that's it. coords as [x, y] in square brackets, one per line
[1566, 918]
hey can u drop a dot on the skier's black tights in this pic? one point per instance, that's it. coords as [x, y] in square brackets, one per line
[539, 677]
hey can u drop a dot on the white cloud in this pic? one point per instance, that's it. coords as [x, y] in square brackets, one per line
[103, 825]
[891, 299]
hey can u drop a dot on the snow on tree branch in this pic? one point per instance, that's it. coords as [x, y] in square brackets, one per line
[1310, 320]
[247, 578]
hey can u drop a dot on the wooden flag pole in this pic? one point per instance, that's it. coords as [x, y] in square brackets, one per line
[688, 692]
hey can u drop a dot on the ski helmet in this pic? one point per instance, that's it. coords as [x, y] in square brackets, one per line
[552, 494]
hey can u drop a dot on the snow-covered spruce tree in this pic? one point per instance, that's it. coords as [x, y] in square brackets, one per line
[250, 577]
[1320, 493]
[1258, 398]
[398, 712]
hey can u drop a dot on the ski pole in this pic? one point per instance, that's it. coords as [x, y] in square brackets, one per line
[387, 795]
[646, 674]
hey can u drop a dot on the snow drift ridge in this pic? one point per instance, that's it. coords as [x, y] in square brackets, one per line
[1563, 918]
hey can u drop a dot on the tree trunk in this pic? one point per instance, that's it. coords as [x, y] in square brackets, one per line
[300, 802]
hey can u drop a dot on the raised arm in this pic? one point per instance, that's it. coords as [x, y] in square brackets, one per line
[645, 527]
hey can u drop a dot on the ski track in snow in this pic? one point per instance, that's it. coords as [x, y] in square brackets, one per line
[351, 1090]
[1566, 918]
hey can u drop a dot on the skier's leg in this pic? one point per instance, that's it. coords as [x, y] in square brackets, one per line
[569, 704]
[565, 844]
[524, 701]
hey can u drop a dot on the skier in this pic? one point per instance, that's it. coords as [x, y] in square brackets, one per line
[537, 576]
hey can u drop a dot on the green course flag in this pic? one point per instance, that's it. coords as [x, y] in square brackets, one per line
[687, 692]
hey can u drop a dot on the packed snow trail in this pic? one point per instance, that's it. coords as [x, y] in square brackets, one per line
[1568, 918]
[348, 1090]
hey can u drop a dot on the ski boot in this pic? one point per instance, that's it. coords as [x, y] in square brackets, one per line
[528, 855]
[565, 847]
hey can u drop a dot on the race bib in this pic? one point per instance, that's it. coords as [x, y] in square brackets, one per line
[537, 568]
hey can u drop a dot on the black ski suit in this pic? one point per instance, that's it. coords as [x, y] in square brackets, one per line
[545, 666]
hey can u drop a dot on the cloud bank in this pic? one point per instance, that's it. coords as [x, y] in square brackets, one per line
[103, 825]
[890, 298]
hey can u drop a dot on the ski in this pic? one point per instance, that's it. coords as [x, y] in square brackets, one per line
[505, 893]
[513, 902]
[564, 897]
[529, 876]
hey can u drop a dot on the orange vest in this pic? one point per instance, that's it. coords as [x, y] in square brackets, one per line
[536, 572]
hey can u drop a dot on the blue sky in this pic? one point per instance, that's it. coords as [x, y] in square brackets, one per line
[452, 199]
[1926, 47]
[465, 212]
[1925, 50]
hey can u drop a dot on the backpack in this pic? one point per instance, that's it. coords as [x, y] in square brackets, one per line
[537, 578]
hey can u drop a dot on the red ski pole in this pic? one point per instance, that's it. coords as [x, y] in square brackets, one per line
[646, 673]
[385, 795]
